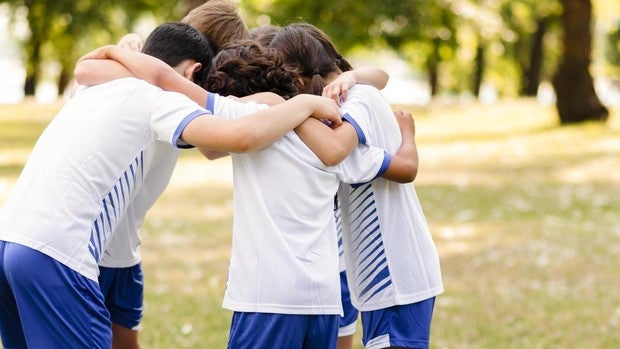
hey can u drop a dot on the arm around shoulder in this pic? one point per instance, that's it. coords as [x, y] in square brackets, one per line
[404, 165]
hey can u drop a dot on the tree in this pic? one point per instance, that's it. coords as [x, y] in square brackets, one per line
[409, 28]
[57, 27]
[529, 22]
[576, 98]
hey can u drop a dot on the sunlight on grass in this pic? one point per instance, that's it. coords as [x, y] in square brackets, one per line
[525, 214]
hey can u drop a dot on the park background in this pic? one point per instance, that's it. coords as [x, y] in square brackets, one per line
[518, 132]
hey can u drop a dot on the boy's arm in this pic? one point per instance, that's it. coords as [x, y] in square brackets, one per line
[147, 68]
[404, 165]
[338, 89]
[212, 154]
[89, 72]
[94, 72]
[259, 129]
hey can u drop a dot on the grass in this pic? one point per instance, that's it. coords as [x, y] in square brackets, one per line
[525, 214]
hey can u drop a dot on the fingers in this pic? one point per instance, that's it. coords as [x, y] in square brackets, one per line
[131, 41]
[405, 120]
[332, 91]
[331, 112]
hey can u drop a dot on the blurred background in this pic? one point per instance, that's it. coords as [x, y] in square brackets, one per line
[449, 50]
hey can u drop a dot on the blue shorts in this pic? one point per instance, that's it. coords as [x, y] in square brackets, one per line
[348, 322]
[123, 290]
[403, 326]
[267, 331]
[44, 304]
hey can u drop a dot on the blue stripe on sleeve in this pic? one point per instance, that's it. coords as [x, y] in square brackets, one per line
[387, 159]
[177, 133]
[360, 133]
[210, 106]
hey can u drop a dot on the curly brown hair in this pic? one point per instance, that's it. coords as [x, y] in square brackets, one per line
[247, 67]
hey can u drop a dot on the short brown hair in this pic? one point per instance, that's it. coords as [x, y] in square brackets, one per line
[219, 21]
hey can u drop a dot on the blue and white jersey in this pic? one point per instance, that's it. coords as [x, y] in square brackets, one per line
[284, 255]
[390, 255]
[87, 167]
[124, 248]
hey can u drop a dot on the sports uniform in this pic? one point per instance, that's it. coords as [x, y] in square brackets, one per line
[284, 257]
[83, 173]
[120, 268]
[348, 322]
[390, 256]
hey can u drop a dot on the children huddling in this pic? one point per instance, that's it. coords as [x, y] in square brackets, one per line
[296, 156]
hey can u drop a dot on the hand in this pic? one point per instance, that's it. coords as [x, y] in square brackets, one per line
[325, 109]
[338, 89]
[131, 41]
[99, 53]
[406, 124]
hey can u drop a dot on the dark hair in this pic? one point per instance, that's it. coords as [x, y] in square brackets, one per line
[247, 67]
[173, 42]
[327, 44]
[305, 56]
[264, 33]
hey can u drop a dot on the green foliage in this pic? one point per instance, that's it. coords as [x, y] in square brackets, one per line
[612, 46]
[62, 30]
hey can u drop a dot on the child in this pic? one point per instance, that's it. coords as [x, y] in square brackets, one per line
[83, 172]
[392, 263]
[120, 275]
[283, 276]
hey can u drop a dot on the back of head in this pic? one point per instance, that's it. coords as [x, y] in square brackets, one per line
[305, 56]
[174, 42]
[219, 21]
[247, 67]
[326, 42]
[264, 34]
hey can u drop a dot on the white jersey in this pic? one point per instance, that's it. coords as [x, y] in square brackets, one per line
[390, 256]
[284, 255]
[87, 167]
[124, 248]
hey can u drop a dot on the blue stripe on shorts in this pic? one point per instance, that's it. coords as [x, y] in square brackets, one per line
[348, 321]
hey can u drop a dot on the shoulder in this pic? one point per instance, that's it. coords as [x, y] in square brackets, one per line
[363, 90]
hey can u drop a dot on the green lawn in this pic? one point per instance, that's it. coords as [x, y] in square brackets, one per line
[525, 214]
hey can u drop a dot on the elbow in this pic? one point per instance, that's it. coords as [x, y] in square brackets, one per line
[79, 72]
[407, 174]
[412, 173]
[247, 140]
[335, 156]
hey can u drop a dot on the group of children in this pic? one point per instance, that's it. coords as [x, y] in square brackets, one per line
[306, 169]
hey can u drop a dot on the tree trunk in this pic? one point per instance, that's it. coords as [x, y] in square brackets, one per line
[33, 62]
[432, 66]
[576, 98]
[63, 79]
[479, 69]
[531, 76]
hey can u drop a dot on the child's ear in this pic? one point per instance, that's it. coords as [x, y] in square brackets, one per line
[191, 69]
